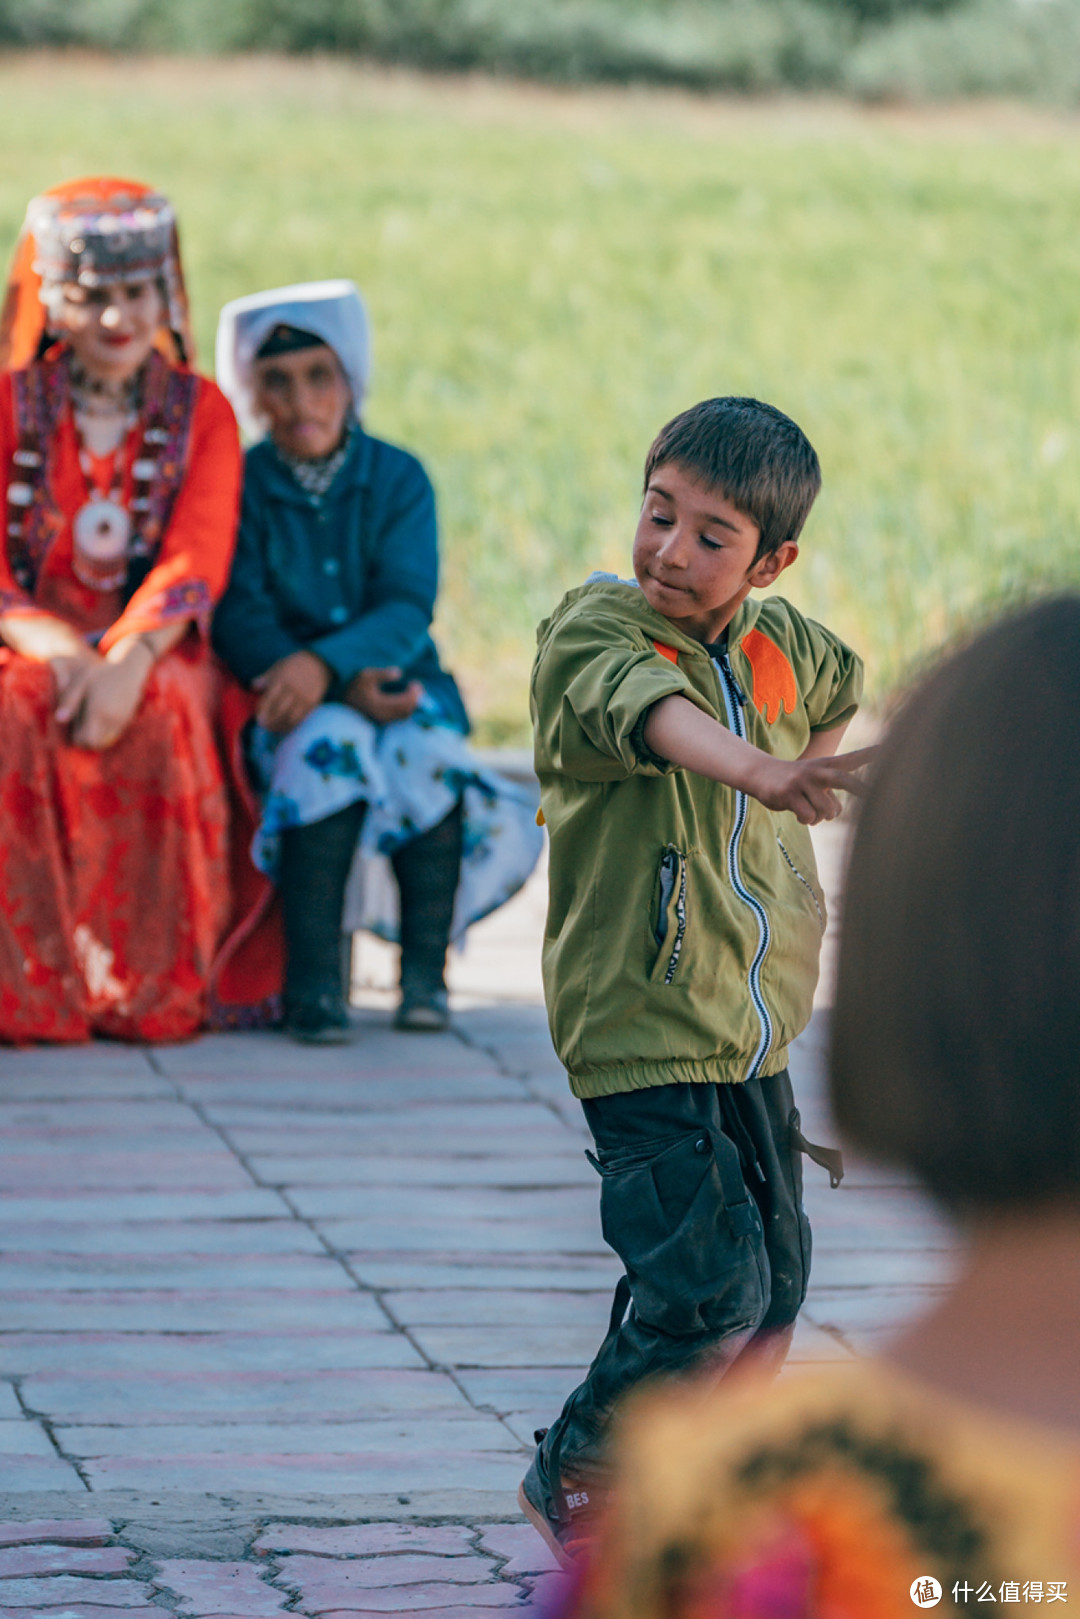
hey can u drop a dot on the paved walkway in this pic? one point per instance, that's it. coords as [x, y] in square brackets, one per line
[276, 1324]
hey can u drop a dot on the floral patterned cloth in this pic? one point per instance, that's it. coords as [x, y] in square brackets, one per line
[410, 774]
[847, 1493]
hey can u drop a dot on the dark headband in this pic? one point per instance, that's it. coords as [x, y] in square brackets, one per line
[285, 339]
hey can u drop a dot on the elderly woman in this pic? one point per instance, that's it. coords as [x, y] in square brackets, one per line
[356, 747]
[120, 470]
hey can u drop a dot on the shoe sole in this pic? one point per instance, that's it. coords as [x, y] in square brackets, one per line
[324, 1037]
[543, 1529]
[422, 1023]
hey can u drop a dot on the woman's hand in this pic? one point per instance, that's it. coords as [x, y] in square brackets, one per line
[290, 689]
[365, 693]
[102, 697]
[70, 672]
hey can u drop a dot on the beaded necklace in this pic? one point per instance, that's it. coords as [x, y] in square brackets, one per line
[106, 557]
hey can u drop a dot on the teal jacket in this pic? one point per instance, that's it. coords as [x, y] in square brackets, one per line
[351, 576]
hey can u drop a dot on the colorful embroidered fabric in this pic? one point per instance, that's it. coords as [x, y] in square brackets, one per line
[122, 209]
[40, 395]
[411, 774]
[189, 520]
[832, 1495]
[113, 864]
[113, 890]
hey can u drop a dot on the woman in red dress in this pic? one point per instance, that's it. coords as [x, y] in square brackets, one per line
[120, 474]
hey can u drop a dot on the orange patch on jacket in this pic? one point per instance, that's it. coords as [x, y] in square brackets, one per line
[774, 688]
[667, 652]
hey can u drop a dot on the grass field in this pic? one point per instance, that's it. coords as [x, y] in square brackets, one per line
[551, 275]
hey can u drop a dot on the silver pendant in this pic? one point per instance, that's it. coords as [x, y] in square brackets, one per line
[102, 532]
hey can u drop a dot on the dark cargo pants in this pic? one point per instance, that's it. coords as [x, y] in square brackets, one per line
[701, 1199]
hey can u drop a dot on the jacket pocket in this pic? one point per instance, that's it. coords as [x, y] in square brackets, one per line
[669, 922]
[678, 1214]
[817, 899]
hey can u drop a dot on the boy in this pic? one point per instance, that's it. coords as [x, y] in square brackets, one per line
[684, 736]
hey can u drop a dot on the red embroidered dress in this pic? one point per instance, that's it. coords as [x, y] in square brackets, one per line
[113, 864]
[113, 889]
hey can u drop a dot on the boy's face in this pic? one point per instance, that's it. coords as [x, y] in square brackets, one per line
[694, 553]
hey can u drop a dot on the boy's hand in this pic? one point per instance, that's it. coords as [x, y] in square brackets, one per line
[676, 729]
[808, 786]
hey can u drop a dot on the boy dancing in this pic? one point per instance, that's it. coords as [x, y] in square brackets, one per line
[684, 741]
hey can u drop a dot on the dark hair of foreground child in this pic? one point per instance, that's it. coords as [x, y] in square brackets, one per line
[943, 1471]
[956, 1037]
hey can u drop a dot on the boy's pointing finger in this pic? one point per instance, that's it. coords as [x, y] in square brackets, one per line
[856, 759]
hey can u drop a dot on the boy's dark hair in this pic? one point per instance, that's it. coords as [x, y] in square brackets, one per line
[756, 456]
[956, 1035]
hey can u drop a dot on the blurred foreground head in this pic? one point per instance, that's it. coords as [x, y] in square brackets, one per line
[956, 1036]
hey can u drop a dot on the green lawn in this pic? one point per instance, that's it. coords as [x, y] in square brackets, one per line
[552, 275]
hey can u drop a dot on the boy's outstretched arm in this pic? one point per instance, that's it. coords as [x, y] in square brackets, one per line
[677, 730]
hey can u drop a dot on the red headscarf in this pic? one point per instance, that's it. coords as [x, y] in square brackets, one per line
[99, 231]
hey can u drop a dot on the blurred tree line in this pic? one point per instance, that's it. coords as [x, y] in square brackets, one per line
[871, 47]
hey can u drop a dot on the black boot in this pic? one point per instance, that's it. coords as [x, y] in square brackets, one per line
[315, 864]
[427, 871]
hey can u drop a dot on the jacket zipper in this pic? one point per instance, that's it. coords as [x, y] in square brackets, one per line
[672, 870]
[733, 706]
[807, 884]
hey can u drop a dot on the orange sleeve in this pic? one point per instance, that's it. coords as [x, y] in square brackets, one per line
[13, 599]
[193, 565]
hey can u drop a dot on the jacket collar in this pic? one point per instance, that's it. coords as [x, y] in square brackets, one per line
[356, 471]
[625, 596]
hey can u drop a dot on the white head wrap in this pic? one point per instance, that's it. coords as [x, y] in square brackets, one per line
[332, 310]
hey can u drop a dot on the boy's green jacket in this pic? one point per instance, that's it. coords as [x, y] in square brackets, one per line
[685, 918]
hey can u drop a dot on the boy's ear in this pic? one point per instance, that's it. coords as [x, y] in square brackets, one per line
[767, 570]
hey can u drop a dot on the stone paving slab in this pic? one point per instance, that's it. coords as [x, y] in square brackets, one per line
[185, 1239]
[367, 1539]
[53, 1559]
[568, 1273]
[193, 1311]
[538, 1209]
[500, 1308]
[97, 1170]
[180, 1273]
[113, 1206]
[69, 1610]
[277, 1472]
[64, 1531]
[194, 1352]
[286, 1319]
[392, 1436]
[21, 1438]
[205, 1587]
[51, 1590]
[158, 1399]
[25, 1472]
[466, 1236]
[566, 1169]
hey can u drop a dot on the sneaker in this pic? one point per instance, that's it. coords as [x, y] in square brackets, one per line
[565, 1522]
[423, 1011]
[318, 1020]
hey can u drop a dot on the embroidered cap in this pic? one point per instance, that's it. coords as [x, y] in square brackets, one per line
[78, 241]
